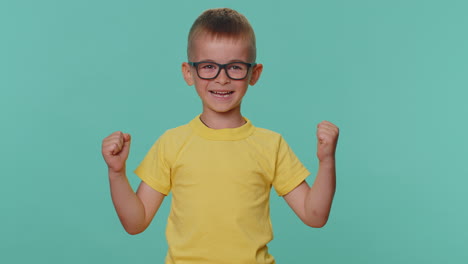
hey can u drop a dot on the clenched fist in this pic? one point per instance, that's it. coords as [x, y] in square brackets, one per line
[115, 149]
[327, 136]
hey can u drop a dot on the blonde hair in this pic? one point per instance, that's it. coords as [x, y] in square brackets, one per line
[220, 23]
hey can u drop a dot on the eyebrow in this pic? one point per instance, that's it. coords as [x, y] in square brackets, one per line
[231, 61]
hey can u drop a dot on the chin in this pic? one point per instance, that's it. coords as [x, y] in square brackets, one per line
[223, 110]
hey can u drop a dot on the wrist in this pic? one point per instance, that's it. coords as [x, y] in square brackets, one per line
[327, 162]
[116, 174]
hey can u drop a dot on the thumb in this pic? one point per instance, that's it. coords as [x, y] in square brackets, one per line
[320, 137]
[127, 140]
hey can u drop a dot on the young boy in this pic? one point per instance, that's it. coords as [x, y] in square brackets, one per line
[219, 167]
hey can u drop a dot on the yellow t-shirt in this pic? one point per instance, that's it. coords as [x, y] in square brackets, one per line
[220, 181]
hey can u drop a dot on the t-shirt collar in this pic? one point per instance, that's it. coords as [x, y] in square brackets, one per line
[227, 134]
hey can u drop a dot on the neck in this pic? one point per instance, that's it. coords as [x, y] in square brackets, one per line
[222, 120]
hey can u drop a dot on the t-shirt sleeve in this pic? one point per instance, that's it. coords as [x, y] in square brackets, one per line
[289, 171]
[154, 170]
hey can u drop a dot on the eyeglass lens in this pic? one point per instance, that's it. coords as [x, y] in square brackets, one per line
[234, 70]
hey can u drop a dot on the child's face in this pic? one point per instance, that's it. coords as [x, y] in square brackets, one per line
[221, 94]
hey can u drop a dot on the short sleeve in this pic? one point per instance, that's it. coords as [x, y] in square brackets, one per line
[154, 170]
[289, 171]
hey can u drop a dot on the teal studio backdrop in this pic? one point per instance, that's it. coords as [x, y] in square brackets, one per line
[391, 74]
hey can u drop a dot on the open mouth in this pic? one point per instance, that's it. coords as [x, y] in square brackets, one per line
[221, 94]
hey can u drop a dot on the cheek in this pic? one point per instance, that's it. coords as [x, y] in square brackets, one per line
[201, 86]
[244, 86]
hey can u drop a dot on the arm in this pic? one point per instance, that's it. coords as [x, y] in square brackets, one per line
[312, 204]
[135, 210]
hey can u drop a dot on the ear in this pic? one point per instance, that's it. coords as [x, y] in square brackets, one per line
[256, 72]
[187, 73]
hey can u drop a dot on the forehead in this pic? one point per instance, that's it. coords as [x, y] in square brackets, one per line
[221, 49]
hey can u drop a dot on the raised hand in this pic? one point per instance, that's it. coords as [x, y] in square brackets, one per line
[327, 136]
[115, 149]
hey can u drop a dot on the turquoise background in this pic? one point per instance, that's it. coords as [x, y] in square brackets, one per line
[391, 74]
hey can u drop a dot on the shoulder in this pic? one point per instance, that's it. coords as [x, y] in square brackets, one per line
[267, 134]
[270, 140]
[177, 132]
[266, 138]
[175, 137]
[170, 143]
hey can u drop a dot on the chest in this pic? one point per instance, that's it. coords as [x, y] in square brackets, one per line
[236, 168]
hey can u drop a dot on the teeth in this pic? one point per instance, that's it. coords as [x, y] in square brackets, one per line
[221, 94]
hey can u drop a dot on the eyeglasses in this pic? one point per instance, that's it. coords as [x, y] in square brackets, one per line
[210, 70]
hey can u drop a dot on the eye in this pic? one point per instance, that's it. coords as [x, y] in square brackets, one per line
[236, 67]
[208, 66]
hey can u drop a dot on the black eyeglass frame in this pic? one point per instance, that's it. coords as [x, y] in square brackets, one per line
[222, 66]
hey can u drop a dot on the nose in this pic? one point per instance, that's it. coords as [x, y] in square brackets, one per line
[222, 77]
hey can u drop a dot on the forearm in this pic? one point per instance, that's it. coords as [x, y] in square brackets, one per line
[319, 198]
[128, 206]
